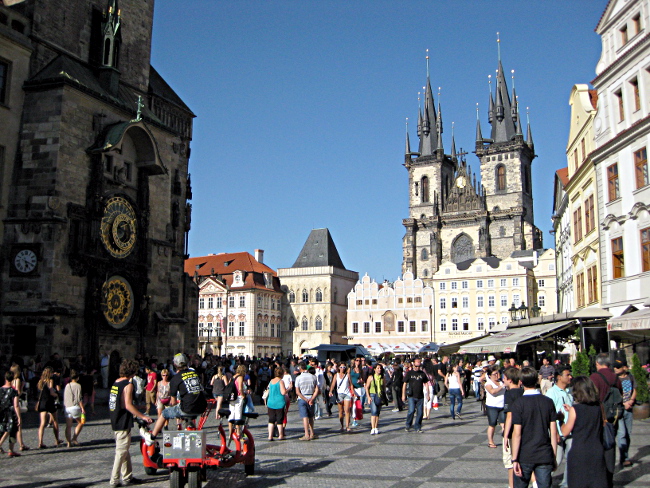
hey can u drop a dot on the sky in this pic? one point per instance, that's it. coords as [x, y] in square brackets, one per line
[301, 109]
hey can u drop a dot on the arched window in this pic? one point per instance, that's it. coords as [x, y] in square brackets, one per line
[501, 177]
[319, 295]
[305, 296]
[319, 323]
[424, 183]
[336, 294]
[305, 324]
[425, 273]
[292, 297]
[424, 255]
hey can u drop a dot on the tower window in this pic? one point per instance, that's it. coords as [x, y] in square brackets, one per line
[319, 295]
[424, 255]
[425, 189]
[501, 178]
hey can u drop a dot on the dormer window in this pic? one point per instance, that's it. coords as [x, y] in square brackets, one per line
[238, 278]
[268, 280]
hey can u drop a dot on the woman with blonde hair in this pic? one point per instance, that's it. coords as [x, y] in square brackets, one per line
[163, 398]
[237, 406]
[19, 385]
[46, 407]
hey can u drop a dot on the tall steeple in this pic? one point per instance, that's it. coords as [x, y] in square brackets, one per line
[408, 142]
[529, 133]
[503, 122]
[479, 134]
[429, 137]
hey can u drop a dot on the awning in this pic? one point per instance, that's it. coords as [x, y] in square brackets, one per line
[508, 340]
[633, 324]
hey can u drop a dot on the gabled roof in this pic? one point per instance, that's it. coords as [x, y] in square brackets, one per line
[319, 250]
[225, 264]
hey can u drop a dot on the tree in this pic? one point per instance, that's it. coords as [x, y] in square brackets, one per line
[641, 379]
[580, 366]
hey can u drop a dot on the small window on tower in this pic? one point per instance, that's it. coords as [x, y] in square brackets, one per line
[501, 178]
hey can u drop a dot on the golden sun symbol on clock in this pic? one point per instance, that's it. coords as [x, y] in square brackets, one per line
[117, 301]
[118, 227]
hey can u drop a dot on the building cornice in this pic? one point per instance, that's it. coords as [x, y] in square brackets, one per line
[621, 140]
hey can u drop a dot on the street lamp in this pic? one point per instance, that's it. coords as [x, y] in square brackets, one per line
[513, 312]
[535, 310]
[523, 310]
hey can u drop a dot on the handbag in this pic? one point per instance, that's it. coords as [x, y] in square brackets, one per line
[249, 407]
[265, 395]
[609, 433]
[165, 401]
[38, 402]
[358, 409]
[22, 401]
[434, 402]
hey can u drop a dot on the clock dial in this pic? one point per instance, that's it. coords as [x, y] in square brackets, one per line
[118, 227]
[461, 182]
[118, 302]
[25, 261]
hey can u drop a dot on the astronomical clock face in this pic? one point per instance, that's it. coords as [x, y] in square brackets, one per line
[118, 301]
[119, 227]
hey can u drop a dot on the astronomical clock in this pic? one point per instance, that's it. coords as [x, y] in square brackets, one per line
[119, 227]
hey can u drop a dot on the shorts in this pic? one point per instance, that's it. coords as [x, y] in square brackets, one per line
[236, 409]
[495, 416]
[507, 457]
[276, 415]
[176, 412]
[306, 410]
[73, 412]
[343, 397]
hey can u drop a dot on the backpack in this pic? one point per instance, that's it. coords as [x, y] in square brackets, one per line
[613, 402]
[230, 392]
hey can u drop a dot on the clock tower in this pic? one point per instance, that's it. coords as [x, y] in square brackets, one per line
[98, 214]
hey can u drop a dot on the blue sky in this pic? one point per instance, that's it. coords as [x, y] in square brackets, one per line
[301, 109]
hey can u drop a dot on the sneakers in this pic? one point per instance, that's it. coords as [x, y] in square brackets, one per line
[459, 417]
[317, 418]
[132, 481]
[395, 410]
[407, 429]
[377, 431]
[148, 438]
[372, 431]
[355, 423]
[419, 431]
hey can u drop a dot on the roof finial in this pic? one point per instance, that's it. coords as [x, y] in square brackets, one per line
[427, 57]
[408, 142]
[529, 134]
[491, 101]
[499, 46]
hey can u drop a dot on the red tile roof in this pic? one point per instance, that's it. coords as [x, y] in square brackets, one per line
[563, 174]
[593, 97]
[225, 264]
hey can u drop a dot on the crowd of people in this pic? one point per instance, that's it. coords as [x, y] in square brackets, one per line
[545, 416]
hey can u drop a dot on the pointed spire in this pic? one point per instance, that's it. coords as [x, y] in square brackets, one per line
[491, 102]
[439, 120]
[498, 110]
[514, 109]
[426, 122]
[419, 117]
[529, 133]
[453, 144]
[408, 142]
[479, 135]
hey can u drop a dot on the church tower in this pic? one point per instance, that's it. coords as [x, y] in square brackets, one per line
[431, 172]
[452, 216]
[506, 159]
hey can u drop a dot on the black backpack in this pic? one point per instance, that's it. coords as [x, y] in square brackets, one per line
[613, 402]
[230, 392]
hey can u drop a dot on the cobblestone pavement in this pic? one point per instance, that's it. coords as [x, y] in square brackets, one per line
[446, 454]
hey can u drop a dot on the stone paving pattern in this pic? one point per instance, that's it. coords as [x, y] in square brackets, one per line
[447, 454]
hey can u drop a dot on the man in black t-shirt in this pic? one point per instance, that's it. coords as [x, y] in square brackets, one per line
[186, 384]
[534, 435]
[514, 392]
[414, 383]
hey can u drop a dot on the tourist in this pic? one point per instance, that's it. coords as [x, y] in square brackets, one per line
[163, 398]
[561, 396]
[413, 388]
[477, 372]
[546, 376]
[46, 406]
[494, 402]
[398, 383]
[512, 380]
[74, 409]
[10, 418]
[586, 465]
[19, 385]
[307, 390]
[376, 388]
[150, 388]
[219, 381]
[628, 384]
[454, 384]
[341, 389]
[534, 436]
[275, 404]
[358, 382]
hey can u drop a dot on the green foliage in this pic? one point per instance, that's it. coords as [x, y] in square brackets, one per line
[641, 378]
[592, 351]
[580, 367]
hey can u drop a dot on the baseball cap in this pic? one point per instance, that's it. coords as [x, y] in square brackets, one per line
[180, 359]
[620, 363]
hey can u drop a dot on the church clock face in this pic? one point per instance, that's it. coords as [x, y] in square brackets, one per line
[25, 261]
[118, 227]
[461, 182]
[118, 302]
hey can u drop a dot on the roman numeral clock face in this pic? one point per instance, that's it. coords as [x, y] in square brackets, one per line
[25, 261]
[118, 227]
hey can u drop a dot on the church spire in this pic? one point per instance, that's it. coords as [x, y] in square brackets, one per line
[491, 102]
[439, 145]
[408, 142]
[453, 144]
[479, 135]
[529, 133]
[504, 117]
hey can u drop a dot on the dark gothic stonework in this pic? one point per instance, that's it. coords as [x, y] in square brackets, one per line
[100, 191]
[454, 217]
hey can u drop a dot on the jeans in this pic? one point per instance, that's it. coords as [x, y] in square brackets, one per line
[563, 449]
[416, 406]
[397, 399]
[623, 435]
[455, 396]
[542, 475]
[477, 389]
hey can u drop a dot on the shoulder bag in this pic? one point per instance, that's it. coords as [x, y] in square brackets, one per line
[609, 433]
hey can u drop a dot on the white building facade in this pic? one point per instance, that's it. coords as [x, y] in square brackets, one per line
[622, 136]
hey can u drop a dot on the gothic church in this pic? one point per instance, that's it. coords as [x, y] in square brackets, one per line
[452, 215]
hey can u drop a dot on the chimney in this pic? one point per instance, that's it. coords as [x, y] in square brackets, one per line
[259, 255]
